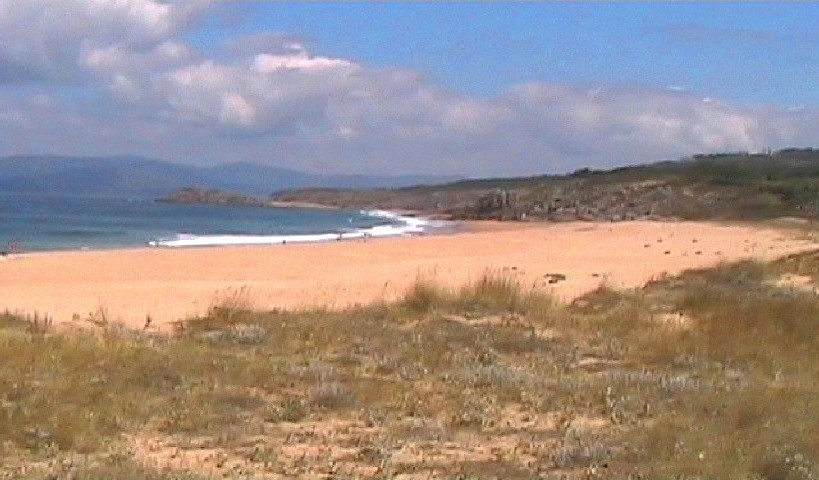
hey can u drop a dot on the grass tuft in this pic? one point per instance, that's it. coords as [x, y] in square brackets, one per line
[425, 296]
[492, 293]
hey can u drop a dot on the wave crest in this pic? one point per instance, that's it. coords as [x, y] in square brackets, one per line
[400, 226]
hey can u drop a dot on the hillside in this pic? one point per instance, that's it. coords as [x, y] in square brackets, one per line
[136, 177]
[716, 186]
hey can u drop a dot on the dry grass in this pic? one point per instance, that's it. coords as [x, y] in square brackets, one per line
[488, 381]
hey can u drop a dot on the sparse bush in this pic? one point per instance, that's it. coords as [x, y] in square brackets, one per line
[241, 333]
[288, 410]
[777, 464]
[230, 307]
[426, 296]
[332, 395]
[315, 371]
[493, 292]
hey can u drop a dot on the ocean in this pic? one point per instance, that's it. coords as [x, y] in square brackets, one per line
[30, 223]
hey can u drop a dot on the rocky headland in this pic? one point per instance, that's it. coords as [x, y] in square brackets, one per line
[737, 186]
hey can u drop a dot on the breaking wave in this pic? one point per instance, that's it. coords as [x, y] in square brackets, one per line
[395, 225]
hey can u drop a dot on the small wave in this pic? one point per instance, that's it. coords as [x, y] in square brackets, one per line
[417, 222]
[83, 233]
[402, 225]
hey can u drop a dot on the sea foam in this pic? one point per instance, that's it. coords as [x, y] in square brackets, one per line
[400, 225]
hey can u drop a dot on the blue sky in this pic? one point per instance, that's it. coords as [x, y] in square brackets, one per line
[466, 88]
[748, 52]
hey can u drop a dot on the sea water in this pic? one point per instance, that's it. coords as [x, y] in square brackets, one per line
[40, 223]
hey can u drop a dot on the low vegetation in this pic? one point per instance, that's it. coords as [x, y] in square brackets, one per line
[713, 374]
[728, 186]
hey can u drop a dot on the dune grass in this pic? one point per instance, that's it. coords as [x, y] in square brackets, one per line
[709, 375]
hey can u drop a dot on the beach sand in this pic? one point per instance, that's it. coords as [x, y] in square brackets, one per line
[172, 284]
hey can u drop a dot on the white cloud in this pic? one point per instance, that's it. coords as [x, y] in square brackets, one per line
[301, 61]
[236, 111]
[55, 41]
[268, 98]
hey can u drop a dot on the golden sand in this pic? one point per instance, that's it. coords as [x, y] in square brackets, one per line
[171, 284]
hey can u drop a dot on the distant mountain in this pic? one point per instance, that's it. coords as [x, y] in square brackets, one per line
[137, 177]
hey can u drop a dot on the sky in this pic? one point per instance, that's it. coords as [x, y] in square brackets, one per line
[452, 88]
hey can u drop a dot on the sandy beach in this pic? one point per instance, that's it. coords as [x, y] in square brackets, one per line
[171, 284]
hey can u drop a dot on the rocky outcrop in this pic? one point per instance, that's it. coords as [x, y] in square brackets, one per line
[501, 204]
[212, 196]
[580, 200]
[712, 187]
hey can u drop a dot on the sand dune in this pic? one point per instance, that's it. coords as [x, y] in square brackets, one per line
[170, 284]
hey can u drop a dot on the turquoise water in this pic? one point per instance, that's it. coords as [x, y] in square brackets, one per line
[37, 223]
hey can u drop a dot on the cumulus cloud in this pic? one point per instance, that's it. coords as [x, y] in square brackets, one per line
[50, 41]
[270, 98]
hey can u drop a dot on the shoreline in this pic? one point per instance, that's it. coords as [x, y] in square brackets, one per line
[459, 226]
[169, 284]
[403, 223]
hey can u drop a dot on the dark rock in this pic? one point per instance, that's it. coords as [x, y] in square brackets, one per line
[211, 196]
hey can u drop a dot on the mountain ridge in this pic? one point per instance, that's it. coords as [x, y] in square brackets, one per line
[140, 177]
